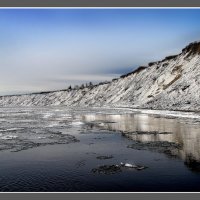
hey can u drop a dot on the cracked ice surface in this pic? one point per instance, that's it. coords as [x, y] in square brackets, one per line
[24, 128]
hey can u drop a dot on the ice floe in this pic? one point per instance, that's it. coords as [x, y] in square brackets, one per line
[9, 137]
[11, 129]
[77, 123]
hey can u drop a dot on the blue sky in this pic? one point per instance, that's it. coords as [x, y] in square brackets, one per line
[50, 49]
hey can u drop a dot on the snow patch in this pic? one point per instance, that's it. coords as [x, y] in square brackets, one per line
[9, 137]
[53, 125]
[181, 114]
[11, 129]
[47, 115]
[41, 137]
[77, 123]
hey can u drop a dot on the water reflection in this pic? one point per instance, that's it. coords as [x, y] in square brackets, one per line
[181, 132]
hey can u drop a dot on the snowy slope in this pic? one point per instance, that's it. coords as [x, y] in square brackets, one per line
[172, 84]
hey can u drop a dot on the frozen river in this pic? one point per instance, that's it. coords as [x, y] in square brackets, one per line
[77, 149]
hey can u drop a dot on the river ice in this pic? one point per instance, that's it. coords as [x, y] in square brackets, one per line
[80, 149]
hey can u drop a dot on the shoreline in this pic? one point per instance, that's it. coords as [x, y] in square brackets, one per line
[190, 114]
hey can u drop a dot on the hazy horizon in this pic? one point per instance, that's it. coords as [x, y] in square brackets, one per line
[50, 49]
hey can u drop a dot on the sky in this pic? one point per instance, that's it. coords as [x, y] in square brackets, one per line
[50, 49]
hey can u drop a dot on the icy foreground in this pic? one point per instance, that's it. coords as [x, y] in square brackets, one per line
[24, 128]
[60, 149]
[170, 84]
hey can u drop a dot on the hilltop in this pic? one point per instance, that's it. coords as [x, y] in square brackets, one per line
[172, 84]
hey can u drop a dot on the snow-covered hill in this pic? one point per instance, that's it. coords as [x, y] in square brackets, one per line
[172, 84]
